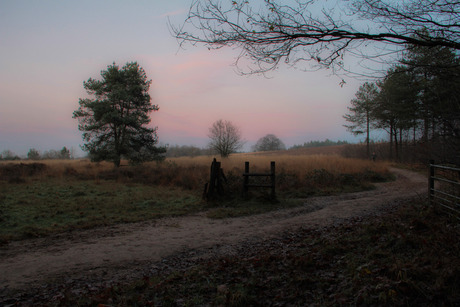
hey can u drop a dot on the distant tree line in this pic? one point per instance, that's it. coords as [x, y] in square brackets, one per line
[8, 155]
[417, 103]
[186, 151]
[326, 142]
[34, 154]
[63, 154]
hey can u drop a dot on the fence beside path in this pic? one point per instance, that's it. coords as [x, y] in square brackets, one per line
[444, 187]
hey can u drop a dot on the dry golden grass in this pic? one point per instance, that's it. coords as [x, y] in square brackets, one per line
[57, 168]
[309, 174]
[293, 171]
[321, 150]
[288, 162]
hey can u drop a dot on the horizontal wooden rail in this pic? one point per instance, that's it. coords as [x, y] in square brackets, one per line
[258, 174]
[259, 185]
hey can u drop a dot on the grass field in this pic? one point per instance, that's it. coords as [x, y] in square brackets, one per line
[406, 255]
[45, 197]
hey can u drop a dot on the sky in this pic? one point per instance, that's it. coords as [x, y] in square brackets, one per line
[48, 48]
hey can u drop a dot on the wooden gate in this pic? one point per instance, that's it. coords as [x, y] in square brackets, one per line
[247, 174]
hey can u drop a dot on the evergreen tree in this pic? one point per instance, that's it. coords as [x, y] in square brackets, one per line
[396, 109]
[436, 74]
[114, 122]
[360, 114]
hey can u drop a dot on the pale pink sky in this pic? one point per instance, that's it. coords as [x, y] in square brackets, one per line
[50, 47]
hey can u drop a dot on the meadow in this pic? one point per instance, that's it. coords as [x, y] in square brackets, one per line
[405, 255]
[44, 197]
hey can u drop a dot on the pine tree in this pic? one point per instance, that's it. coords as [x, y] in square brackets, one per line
[114, 122]
[360, 114]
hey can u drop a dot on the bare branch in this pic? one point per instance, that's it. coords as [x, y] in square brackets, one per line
[269, 32]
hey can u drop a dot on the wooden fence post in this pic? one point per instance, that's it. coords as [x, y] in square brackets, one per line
[272, 170]
[215, 181]
[212, 179]
[246, 178]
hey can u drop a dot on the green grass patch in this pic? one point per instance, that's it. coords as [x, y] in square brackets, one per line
[49, 206]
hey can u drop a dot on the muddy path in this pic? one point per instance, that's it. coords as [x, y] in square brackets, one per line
[119, 252]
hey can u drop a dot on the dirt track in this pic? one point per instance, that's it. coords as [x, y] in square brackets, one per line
[115, 252]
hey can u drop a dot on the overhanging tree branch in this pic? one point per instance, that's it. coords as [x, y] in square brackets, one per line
[268, 32]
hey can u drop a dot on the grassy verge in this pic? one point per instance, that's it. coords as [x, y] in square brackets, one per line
[49, 206]
[407, 256]
[46, 197]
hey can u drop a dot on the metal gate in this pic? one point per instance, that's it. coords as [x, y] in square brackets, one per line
[444, 187]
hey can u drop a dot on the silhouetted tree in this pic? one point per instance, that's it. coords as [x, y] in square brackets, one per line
[64, 153]
[395, 108]
[33, 154]
[114, 121]
[225, 138]
[270, 142]
[360, 114]
[435, 74]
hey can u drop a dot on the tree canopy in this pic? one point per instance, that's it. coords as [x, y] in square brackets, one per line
[33, 154]
[322, 33]
[417, 100]
[270, 142]
[114, 122]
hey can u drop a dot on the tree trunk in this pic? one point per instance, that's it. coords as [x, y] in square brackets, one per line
[368, 134]
[426, 126]
[391, 141]
[400, 141]
[395, 134]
